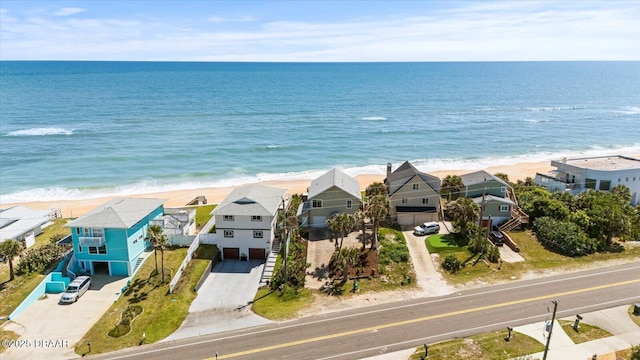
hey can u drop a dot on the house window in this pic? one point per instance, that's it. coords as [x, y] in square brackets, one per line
[228, 233]
[590, 183]
[316, 203]
[102, 250]
[87, 233]
[228, 218]
[416, 186]
[425, 201]
[79, 248]
[257, 234]
[405, 200]
[504, 208]
[503, 189]
[619, 179]
[256, 218]
[96, 232]
[627, 179]
[605, 185]
[349, 204]
[78, 229]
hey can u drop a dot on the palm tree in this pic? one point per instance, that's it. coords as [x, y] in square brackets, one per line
[377, 209]
[376, 188]
[346, 223]
[10, 249]
[451, 185]
[163, 244]
[361, 219]
[154, 233]
[334, 226]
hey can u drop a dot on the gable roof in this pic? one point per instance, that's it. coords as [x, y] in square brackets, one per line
[478, 177]
[18, 220]
[492, 198]
[118, 213]
[251, 200]
[406, 172]
[337, 178]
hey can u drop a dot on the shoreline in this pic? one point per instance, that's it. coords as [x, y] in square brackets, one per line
[214, 195]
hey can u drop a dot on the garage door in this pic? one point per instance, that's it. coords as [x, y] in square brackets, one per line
[231, 253]
[257, 254]
[414, 219]
[319, 221]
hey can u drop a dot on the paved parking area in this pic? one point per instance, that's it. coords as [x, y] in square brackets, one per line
[51, 329]
[219, 304]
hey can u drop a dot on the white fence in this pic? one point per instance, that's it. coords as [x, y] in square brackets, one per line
[194, 246]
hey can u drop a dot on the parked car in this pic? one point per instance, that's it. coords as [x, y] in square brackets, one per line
[427, 228]
[76, 288]
[496, 236]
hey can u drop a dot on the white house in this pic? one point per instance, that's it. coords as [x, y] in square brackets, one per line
[246, 221]
[593, 173]
[23, 224]
[179, 224]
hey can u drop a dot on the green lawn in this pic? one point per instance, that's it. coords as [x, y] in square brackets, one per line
[441, 243]
[585, 332]
[202, 214]
[271, 306]
[163, 312]
[487, 346]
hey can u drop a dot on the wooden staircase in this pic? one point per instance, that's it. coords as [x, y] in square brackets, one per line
[267, 271]
[518, 216]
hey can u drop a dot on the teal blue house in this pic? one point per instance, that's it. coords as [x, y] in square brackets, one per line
[111, 238]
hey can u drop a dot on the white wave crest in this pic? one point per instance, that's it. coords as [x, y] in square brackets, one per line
[533, 121]
[552, 108]
[631, 110]
[373, 118]
[41, 131]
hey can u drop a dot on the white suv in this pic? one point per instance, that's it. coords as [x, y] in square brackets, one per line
[427, 228]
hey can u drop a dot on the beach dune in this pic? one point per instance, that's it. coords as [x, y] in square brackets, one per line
[214, 195]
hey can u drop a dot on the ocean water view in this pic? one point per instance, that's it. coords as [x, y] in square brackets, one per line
[80, 129]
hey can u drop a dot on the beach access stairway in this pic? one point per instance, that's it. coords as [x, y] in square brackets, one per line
[270, 265]
[518, 216]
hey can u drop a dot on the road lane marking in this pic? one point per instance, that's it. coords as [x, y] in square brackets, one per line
[425, 318]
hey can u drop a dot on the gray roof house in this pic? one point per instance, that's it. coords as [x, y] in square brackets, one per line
[246, 221]
[414, 195]
[23, 224]
[481, 182]
[331, 193]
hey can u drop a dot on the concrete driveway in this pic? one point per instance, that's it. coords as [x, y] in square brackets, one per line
[51, 330]
[220, 304]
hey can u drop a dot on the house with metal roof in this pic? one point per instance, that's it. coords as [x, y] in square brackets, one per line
[246, 221]
[414, 195]
[23, 224]
[593, 173]
[331, 193]
[111, 239]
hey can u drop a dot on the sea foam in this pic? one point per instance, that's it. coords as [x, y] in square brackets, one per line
[41, 131]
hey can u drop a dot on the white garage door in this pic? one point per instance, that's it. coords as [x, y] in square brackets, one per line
[413, 219]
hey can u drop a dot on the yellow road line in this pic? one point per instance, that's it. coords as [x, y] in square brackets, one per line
[412, 321]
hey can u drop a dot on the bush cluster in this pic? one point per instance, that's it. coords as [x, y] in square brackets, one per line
[394, 251]
[127, 317]
[451, 264]
[38, 259]
[563, 237]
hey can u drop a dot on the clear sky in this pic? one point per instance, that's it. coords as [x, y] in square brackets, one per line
[319, 30]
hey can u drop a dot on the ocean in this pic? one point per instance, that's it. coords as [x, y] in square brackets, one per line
[75, 130]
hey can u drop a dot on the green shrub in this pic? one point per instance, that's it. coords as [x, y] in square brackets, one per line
[451, 264]
[38, 259]
[398, 253]
[563, 237]
[635, 352]
[494, 254]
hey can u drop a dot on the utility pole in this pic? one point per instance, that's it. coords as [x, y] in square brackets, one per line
[553, 318]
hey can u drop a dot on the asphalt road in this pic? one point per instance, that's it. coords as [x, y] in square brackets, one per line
[364, 332]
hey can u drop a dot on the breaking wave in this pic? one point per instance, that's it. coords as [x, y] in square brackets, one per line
[41, 131]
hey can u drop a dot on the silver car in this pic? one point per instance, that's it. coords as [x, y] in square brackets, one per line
[76, 288]
[427, 228]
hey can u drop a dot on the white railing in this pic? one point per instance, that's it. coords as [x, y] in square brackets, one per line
[194, 246]
[91, 240]
[70, 264]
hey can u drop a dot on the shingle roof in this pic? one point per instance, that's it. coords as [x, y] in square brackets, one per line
[118, 213]
[335, 177]
[491, 198]
[251, 200]
[407, 171]
[478, 177]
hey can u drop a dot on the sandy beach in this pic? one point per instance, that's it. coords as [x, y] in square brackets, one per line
[75, 208]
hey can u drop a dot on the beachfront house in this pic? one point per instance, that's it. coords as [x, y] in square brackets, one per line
[593, 173]
[111, 239]
[179, 224]
[246, 221]
[414, 195]
[331, 193]
[23, 224]
[496, 199]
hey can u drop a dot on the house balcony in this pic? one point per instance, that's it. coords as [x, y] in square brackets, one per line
[96, 241]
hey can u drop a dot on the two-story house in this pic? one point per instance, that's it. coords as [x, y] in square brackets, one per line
[111, 238]
[246, 221]
[331, 193]
[492, 194]
[593, 173]
[414, 195]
